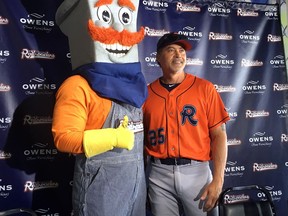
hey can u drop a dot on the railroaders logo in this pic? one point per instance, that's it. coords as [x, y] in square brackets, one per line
[219, 36]
[155, 32]
[259, 167]
[4, 155]
[232, 198]
[220, 88]
[273, 38]
[256, 113]
[135, 126]
[187, 7]
[280, 87]
[233, 142]
[249, 13]
[4, 87]
[35, 54]
[251, 63]
[194, 61]
[3, 21]
[284, 138]
[33, 186]
[36, 120]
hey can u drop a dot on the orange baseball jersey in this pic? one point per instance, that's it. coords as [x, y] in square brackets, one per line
[77, 108]
[177, 123]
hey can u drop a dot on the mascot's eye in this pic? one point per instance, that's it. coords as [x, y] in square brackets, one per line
[125, 16]
[104, 14]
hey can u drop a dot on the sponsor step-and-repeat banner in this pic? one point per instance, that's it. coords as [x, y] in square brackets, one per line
[236, 45]
[34, 60]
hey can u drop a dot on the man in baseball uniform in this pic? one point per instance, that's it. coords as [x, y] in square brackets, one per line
[184, 128]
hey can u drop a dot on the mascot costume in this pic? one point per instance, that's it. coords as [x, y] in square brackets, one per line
[97, 114]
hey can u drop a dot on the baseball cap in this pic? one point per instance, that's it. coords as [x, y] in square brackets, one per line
[174, 38]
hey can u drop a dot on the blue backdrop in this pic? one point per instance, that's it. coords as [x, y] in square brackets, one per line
[237, 46]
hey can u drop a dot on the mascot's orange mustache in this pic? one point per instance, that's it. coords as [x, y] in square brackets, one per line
[111, 36]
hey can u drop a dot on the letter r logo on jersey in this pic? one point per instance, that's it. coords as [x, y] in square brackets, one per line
[187, 113]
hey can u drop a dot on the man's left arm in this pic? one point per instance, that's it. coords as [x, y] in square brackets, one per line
[219, 158]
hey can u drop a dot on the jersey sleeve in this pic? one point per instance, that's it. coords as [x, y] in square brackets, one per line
[216, 111]
[71, 114]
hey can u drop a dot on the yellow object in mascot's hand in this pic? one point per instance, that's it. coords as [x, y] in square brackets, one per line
[102, 140]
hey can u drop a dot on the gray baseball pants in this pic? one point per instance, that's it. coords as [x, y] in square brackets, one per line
[175, 190]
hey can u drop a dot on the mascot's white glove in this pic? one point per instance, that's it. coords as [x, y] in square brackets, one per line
[102, 140]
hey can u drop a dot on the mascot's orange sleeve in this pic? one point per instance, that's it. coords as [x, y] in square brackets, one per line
[77, 109]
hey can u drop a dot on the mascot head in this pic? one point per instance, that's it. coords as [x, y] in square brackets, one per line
[100, 30]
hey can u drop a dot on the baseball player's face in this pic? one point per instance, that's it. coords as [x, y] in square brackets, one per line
[172, 58]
